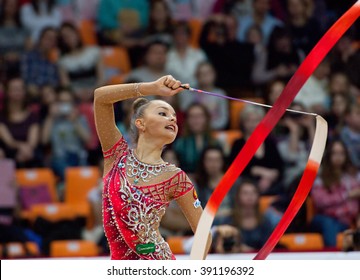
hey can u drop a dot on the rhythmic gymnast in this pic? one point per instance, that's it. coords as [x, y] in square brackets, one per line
[138, 184]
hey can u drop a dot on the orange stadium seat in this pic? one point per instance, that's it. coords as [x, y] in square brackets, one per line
[176, 244]
[88, 32]
[78, 182]
[16, 249]
[73, 248]
[196, 27]
[265, 201]
[116, 64]
[35, 176]
[339, 240]
[302, 241]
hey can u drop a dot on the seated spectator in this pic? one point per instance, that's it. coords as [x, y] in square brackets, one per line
[303, 26]
[266, 167]
[294, 148]
[345, 57]
[226, 53]
[336, 194]
[350, 133]
[277, 208]
[182, 59]
[254, 228]
[14, 38]
[38, 15]
[160, 22]
[217, 107]
[196, 136]
[339, 83]
[154, 63]
[260, 17]
[121, 19]
[279, 60]
[37, 68]
[81, 65]
[19, 127]
[339, 105]
[210, 171]
[67, 132]
[314, 95]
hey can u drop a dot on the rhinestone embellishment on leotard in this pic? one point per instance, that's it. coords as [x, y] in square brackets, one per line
[142, 171]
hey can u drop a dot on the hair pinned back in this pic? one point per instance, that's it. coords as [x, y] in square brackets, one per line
[138, 109]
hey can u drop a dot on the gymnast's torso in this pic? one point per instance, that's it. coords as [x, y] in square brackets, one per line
[135, 197]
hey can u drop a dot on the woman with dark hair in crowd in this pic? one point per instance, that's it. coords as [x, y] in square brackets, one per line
[279, 60]
[336, 193]
[14, 39]
[211, 169]
[138, 183]
[19, 127]
[196, 136]
[81, 64]
[304, 28]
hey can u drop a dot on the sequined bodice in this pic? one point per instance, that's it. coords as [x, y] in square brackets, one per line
[133, 207]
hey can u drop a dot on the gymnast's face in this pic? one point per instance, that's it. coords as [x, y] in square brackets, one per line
[159, 122]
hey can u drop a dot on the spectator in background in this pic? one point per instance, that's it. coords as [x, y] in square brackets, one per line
[67, 132]
[121, 19]
[339, 83]
[261, 17]
[279, 60]
[314, 94]
[335, 194]
[182, 59]
[81, 65]
[350, 133]
[345, 57]
[249, 228]
[217, 107]
[304, 28]
[232, 60]
[351, 240]
[160, 22]
[154, 63]
[294, 148]
[14, 39]
[19, 127]
[339, 105]
[197, 135]
[38, 15]
[37, 68]
[211, 169]
[266, 167]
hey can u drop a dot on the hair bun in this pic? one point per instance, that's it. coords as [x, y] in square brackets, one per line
[138, 103]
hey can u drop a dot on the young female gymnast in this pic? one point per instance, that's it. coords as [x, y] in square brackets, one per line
[138, 184]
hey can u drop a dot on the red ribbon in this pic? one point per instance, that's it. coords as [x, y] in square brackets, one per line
[308, 66]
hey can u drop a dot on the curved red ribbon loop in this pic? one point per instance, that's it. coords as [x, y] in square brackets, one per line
[308, 66]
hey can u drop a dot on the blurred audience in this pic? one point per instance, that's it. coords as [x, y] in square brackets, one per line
[196, 136]
[19, 127]
[217, 107]
[336, 194]
[266, 167]
[211, 169]
[14, 39]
